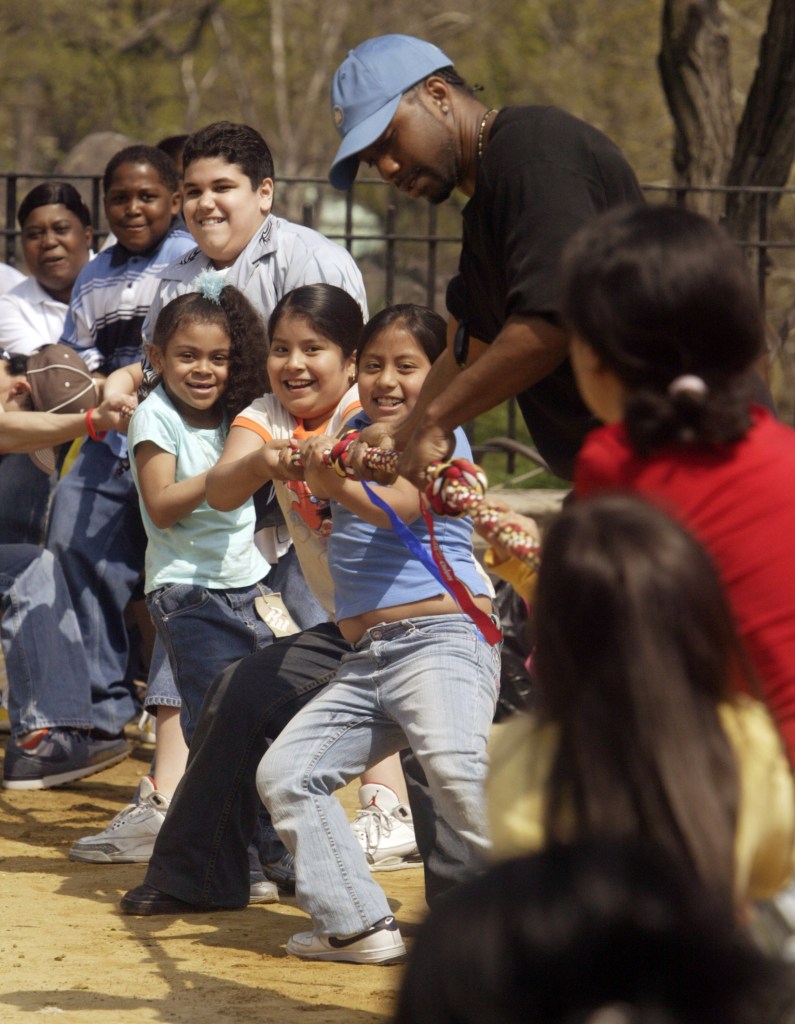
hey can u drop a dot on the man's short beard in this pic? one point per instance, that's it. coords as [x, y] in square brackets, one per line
[445, 191]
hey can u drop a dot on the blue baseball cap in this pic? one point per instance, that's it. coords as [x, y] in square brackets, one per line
[367, 89]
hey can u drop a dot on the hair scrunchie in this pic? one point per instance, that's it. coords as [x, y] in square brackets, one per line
[688, 384]
[209, 284]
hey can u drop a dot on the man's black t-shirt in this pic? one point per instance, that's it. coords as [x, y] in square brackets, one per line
[544, 173]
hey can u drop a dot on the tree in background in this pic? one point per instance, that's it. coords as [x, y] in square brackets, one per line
[149, 68]
[712, 147]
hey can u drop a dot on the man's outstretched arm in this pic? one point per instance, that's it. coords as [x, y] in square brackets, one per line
[526, 350]
[29, 431]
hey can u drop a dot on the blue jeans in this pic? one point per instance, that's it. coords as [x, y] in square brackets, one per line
[431, 682]
[97, 536]
[203, 631]
[161, 690]
[24, 498]
[285, 578]
[45, 660]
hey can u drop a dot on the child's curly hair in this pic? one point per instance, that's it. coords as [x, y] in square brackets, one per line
[248, 378]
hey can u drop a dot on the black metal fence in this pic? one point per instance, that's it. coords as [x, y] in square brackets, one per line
[405, 244]
[407, 251]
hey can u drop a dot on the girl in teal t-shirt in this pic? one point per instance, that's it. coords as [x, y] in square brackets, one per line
[203, 571]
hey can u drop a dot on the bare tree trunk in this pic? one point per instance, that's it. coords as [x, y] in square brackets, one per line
[26, 127]
[694, 69]
[296, 111]
[765, 145]
[245, 98]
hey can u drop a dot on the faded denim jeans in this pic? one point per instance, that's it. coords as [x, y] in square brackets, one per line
[430, 681]
[48, 681]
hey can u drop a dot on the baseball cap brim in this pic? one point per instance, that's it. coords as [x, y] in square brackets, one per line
[44, 459]
[346, 163]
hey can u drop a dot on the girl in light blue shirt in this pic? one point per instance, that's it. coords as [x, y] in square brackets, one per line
[203, 571]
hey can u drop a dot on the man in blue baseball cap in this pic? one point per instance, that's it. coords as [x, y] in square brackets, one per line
[533, 175]
[367, 91]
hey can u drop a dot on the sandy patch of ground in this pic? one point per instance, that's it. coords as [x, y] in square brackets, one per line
[69, 954]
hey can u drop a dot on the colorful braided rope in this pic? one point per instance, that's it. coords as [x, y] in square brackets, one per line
[456, 488]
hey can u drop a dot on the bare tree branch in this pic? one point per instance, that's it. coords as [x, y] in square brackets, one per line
[192, 91]
[281, 96]
[297, 123]
[694, 69]
[231, 62]
[193, 12]
[765, 145]
[319, 82]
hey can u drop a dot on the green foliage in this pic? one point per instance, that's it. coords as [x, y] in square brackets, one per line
[495, 423]
[148, 68]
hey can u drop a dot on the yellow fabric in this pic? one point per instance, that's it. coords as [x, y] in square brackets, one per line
[71, 455]
[521, 757]
[521, 577]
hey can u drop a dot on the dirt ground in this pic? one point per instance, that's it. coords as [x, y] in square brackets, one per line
[68, 952]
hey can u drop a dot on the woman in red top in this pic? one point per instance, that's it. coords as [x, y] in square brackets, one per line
[666, 329]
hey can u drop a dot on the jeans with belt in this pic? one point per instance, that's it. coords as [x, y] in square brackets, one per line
[431, 681]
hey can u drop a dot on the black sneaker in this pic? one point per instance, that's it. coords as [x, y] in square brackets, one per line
[146, 901]
[60, 756]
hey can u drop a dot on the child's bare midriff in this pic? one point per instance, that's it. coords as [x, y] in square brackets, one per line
[354, 628]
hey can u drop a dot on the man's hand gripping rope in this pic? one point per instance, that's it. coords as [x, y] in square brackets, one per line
[455, 488]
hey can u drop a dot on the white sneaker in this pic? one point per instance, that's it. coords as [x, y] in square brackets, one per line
[380, 944]
[147, 729]
[385, 830]
[261, 890]
[130, 837]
